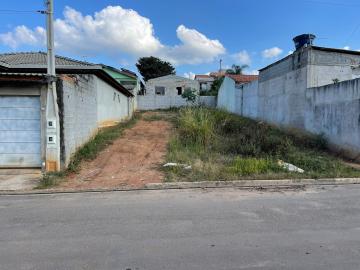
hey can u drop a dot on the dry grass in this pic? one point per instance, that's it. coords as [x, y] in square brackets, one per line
[222, 146]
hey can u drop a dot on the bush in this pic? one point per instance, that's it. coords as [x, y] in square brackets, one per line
[190, 95]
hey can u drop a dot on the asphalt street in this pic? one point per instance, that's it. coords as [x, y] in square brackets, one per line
[316, 228]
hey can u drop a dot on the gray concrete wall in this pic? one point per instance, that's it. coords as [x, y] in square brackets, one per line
[298, 91]
[334, 110]
[89, 104]
[154, 102]
[250, 99]
[208, 101]
[325, 67]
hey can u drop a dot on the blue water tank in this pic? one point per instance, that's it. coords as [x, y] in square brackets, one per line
[303, 40]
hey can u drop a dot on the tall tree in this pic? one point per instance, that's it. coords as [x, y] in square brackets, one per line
[236, 69]
[153, 67]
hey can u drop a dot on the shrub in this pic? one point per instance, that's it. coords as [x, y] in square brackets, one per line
[190, 95]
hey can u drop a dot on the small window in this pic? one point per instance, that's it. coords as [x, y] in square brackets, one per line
[179, 90]
[160, 90]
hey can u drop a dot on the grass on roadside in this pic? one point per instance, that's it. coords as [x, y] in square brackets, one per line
[88, 151]
[223, 146]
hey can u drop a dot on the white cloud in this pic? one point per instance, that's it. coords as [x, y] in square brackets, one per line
[346, 48]
[253, 72]
[117, 31]
[272, 52]
[290, 52]
[23, 35]
[242, 57]
[196, 48]
[189, 75]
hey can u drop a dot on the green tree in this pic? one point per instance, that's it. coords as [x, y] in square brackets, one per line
[215, 86]
[236, 69]
[190, 95]
[153, 67]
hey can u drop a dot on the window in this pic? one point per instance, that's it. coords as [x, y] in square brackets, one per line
[179, 90]
[160, 90]
[203, 86]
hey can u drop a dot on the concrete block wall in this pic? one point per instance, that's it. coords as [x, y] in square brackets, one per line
[89, 104]
[332, 110]
[153, 102]
[208, 101]
[79, 112]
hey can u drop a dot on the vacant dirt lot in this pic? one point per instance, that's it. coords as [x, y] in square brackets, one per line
[133, 160]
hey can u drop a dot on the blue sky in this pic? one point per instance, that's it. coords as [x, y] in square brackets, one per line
[193, 35]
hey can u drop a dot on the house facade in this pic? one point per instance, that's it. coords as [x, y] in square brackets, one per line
[166, 92]
[205, 82]
[88, 99]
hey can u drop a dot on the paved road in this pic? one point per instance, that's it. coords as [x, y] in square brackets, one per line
[222, 229]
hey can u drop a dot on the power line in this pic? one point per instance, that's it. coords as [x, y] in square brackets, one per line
[20, 11]
[352, 33]
[332, 3]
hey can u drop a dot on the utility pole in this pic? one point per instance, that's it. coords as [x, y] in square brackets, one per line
[52, 110]
[220, 65]
[50, 37]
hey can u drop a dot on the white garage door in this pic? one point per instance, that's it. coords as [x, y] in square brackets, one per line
[20, 131]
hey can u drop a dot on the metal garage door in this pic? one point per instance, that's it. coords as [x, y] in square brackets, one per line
[20, 131]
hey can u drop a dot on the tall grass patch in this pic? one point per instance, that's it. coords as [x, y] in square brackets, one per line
[238, 147]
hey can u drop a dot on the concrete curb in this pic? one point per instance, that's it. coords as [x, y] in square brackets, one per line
[244, 184]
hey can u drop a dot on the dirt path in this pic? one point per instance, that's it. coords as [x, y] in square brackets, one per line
[133, 160]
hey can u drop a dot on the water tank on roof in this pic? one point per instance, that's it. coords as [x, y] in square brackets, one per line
[303, 40]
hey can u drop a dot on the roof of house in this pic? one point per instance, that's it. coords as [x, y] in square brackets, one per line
[23, 77]
[241, 78]
[122, 71]
[23, 59]
[203, 76]
[36, 62]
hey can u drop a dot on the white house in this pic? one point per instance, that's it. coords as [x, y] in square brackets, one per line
[88, 98]
[165, 92]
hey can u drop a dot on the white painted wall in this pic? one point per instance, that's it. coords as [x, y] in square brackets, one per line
[112, 106]
[228, 97]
